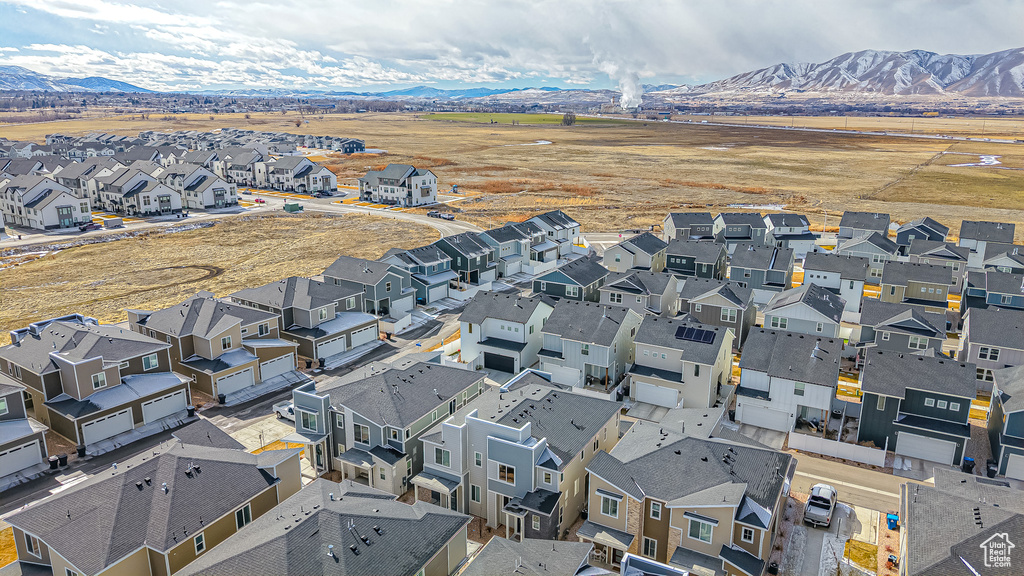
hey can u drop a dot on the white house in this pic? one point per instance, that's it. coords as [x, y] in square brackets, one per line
[844, 275]
[399, 184]
[809, 309]
[503, 331]
[40, 202]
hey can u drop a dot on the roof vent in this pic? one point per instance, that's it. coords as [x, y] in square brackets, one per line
[148, 480]
[139, 485]
[164, 487]
[378, 530]
[354, 549]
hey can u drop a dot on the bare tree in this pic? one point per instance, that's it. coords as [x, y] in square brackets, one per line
[568, 119]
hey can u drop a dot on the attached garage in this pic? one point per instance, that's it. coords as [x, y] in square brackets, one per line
[657, 395]
[103, 428]
[331, 347]
[235, 382]
[364, 335]
[277, 366]
[499, 362]
[763, 417]
[925, 448]
[162, 407]
[1015, 467]
[20, 457]
[437, 292]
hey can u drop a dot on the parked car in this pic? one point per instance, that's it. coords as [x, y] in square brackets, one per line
[447, 216]
[90, 226]
[246, 191]
[434, 214]
[260, 201]
[820, 505]
[285, 409]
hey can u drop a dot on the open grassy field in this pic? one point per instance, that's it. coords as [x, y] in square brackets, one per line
[158, 269]
[980, 127]
[628, 174]
[488, 118]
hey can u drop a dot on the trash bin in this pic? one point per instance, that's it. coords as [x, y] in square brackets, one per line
[968, 465]
[62, 459]
[221, 398]
[323, 362]
[309, 364]
[53, 462]
[80, 449]
[991, 468]
[773, 568]
[732, 415]
[893, 521]
[191, 411]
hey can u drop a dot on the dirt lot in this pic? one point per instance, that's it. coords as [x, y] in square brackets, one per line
[158, 270]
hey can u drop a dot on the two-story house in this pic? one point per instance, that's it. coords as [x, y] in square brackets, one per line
[688, 226]
[1004, 258]
[299, 174]
[842, 275]
[991, 288]
[325, 319]
[793, 231]
[735, 228]
[900, 327]
[942, 254]
[502, 332]
[580, 279]
[766, 270]
[22, 438]
[697, 259]
[807, 309]
[89, 382]
[511, 248]
[132, 191]
[368, 424]
[976, 235]
[787, 376]
[471, 258]
[875, 246]
[920, 284]
[854, 224]
[429, 268]
[992, 339]
[76, 175]
[588, 344]
[400, 185]
[916, 405]
[225, 348]
[517, 456]
[156, 512]
[560, 228]
[706, 506]
[641, 252]
[41, 203]
[678, 364]
[644, 292]
[1006, 422]
[198, 186]
[240, 166]
[719, 303]
[920, 229]
[387, 290]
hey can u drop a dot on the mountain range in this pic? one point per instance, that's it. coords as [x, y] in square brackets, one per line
[868, 72]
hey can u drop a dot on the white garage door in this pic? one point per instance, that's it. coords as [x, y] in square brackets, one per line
[763, 417]
[331, 347]
[437, 292]
[103, 428]
[277, 366]
[368, 334]
[21, 457]
[165, 406]
[235, 382]
[924, 448]
[657, 395]
[1015, 467]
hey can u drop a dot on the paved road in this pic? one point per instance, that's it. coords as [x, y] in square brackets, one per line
[858, 486]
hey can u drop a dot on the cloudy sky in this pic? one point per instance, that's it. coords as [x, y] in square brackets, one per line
[384, 44]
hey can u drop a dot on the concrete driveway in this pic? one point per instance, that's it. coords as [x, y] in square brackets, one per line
[821, 547]
[771, 438]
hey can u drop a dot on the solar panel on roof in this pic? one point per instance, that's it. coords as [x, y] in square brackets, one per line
[692, 334]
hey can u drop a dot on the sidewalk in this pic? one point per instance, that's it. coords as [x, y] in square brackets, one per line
[279, 382]
[173, 421]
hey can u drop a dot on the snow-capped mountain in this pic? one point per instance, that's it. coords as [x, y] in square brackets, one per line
[18, 78]
[882, 72]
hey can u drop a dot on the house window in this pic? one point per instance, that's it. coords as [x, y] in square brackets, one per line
[618, 258]
[350, 303]
[543, 286]
[747, 535]
[728, 314]
[442, 457]
[696, 307]
[322, 314]
[780, 323]
[394, 434]
[885, 336]
[3, 406]
[585, 349]
[986, 353]
[383, 476]
[700, 530]
[1004, 299]
[572, 291]
[851, 284]
[531, 329]
[746, 273]
[929, 402]
[536, 522]
[880, 404]
[655, 510]
[263, 330]
[387, 286]
[798, 388]
[243, 516]
[339, 420]
[892, 290]
[32, 545]
[150, 362]
[547, 478]
[942, 404]
[361, 434]
[479, 459]
[954, 406]
[918, 343]
[615, 298]
[819, 327]
[225, 342]
[70, 572]
[650, 547]
[474, 493]
[696, 369]
[639, 300]
[985, 375]
[576, 486]
[506, 473]
[470, 328]
[99, 380]
[307, 420]
[200, 543]
[609, 507]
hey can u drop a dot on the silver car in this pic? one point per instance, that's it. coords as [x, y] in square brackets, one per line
[820, 505]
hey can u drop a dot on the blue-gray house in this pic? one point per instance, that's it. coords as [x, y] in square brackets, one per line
[1006, 422]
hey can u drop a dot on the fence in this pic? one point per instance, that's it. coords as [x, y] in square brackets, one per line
[837, 449]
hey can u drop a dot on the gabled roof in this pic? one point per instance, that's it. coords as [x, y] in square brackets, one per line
[925, 223]
[1004, 282]
[752, 219]
[297, 292]
[787, 220]
[468, 244]
[358, 270]
[533, 557]
[891, 373]
[556, 219]
[1000, 327]
[203, 316]
[937, 249]
[638, 282]
[502, 306]
[902, 317]
[423, 256]
[875, 239]
[848, 267]
[1012, 252]
[793, 356]
[111, 515]
[584, 271]
[694, 288]
[506, 233]
[202, 432]
[646, 242]
[987, 231]
[900, 273]
[666, 332]
[77, 340]
[690, 219]
[875, 221]
[702, 252]
[821, 300]
[762, 257]
[1009, 383]
[588, 322]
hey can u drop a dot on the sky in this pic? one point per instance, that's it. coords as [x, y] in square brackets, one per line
[387, 44]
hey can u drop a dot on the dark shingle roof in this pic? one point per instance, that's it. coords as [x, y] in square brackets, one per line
[732, 291]
[204, 317]
[899, 273]
[925, 222]
[987, 231]
[468, 244]
[507, 233]
[875, 221]
[662, 332]
[937, 249]
[502, 306]
[568, 421]
[876, 239]
[819, 299]
[588, 322]
[534, 557]
[891, 373]
[638, 282]
[848, 267]
[800, 357]
[297, 292]
[78, 341]
[902, 317]
[647, 242]
[752, 219]
[1010, 384]
[689, 219]
[584, 271]
[1000, 327]
[787, 220]
[701, 252]
[202, 432]
[357, 270]
[761, 257]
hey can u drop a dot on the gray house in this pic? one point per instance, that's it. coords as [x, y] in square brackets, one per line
[766, 270]
[368, 423]
[502, 331]
[698, 259]
[511, 248]
[916, 405]
[1006, 422]
[472, 259]
[843, 275]
[429, 268]
[942, 254]
[735, 228]
[387, 290]
[1004, 258]
[921, 284]
[588, 344]
[993, 339]
[578, 280]
[976, 235]
[719, 303]
[22, 438]
[560, 228]
[991, 288]
[854, 224]
[920, 229]
[793, 231]
[697, 226]
[807, 309]
[641, 252]
[875, 246]
[900, 327]
[655, 292]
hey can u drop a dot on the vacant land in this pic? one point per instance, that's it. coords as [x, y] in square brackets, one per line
[500, 118]
[159, 269]
[976, 127]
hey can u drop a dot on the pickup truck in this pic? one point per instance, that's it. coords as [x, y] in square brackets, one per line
[820, 505]
[285, 409]
[88, 227]
[446, 216]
